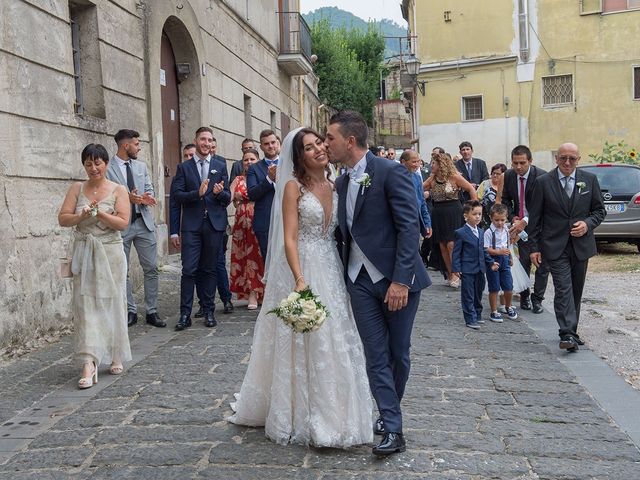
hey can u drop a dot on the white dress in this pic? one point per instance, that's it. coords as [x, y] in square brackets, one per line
[309, 388]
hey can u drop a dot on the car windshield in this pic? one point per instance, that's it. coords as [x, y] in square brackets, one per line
[617, 180]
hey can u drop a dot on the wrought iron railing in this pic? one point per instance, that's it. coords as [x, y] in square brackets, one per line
[295, 36]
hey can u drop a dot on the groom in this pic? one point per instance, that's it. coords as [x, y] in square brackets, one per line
[379, 238]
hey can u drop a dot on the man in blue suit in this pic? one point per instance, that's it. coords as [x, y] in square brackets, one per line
[261, 179]
[411, 160]
[201, 188]
[379, 237]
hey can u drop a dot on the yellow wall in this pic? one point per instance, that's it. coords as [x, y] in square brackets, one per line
[477, 28]
[444, 91]
[600, 51]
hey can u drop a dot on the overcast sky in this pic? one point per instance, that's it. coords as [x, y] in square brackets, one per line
[365, 9]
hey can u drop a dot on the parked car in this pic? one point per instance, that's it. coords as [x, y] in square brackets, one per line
[620, 185]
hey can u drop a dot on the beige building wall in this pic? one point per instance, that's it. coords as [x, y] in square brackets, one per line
[233, 53]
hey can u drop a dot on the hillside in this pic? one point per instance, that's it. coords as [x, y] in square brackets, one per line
[339, 18]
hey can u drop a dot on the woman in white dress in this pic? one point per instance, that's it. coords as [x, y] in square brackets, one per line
[306, 388]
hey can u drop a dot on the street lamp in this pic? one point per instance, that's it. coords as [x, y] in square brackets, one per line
[413, 66]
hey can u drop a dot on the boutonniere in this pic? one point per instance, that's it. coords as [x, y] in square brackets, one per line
[213, 172]
[364, 181]
[581, 186]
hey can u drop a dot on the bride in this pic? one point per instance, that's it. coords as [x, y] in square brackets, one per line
[306, 388]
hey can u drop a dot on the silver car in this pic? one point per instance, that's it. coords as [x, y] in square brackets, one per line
[620, 185]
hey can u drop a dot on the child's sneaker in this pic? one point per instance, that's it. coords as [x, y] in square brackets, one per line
[502, 309]
[495, 317]
[474, 325]
[511, 313]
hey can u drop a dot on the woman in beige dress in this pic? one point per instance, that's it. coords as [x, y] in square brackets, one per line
[98, 209]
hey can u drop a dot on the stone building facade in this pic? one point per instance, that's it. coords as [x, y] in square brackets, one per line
[76, 71]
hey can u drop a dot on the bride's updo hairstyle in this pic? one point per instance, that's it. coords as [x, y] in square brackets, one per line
[299, 169]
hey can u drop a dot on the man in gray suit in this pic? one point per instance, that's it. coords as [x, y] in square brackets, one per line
[566, 206]
[126, 170]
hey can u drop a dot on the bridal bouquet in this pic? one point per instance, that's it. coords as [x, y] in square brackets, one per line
[302, 311]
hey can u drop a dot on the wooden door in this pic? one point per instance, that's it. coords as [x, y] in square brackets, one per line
[170, 102]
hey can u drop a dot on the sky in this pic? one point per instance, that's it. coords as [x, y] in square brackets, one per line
[365, 9]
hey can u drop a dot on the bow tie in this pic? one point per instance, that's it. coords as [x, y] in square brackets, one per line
[271, 162]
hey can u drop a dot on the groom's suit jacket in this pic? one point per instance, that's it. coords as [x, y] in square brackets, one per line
[552, 214]
[386, 224]
[142, 182]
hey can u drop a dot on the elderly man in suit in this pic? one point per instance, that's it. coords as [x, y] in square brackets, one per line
[566, 207]
[261, 179]
[516, 195]
[379, 222]
[126, 170]
[201, 188]
[474, 170]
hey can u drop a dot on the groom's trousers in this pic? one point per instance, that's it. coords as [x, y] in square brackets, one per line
[386, 338]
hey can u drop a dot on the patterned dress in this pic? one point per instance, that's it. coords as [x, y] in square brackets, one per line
[247, 265]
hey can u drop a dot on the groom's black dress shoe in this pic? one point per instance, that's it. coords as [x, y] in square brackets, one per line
[525, 303]
[199, 313]
[391, 443]
[378, 427]
[132, 319]
[183, 323]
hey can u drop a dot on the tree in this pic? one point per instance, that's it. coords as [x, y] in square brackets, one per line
[348, 67]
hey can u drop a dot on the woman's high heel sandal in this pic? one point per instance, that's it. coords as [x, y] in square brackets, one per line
[116, 369]
[87, 382]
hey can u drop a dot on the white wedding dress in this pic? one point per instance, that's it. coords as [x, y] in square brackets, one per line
[308, 388]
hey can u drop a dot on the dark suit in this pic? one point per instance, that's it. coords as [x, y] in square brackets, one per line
[260, 191]
[204, 221]
[471, 259]
[386, 228]
[479, 173]
[511, 198]
[236, 169]
[552, 215]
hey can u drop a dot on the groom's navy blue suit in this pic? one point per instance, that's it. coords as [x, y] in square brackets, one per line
[386, 228]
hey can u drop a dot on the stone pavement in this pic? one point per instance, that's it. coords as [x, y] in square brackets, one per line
[499, 403]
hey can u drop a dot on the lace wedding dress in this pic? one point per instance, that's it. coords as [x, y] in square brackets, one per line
[308, 388]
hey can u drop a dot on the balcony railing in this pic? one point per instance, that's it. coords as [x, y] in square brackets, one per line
[295, 41]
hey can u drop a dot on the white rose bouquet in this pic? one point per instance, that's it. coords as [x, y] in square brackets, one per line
[302, 311]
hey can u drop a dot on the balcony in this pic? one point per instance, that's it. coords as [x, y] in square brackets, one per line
[295, 44]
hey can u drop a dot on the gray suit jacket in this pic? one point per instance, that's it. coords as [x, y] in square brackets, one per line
[143, 184]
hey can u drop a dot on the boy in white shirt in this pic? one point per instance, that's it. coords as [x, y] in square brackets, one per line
[496, 241]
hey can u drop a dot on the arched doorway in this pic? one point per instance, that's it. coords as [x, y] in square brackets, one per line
[170, 101]
[180, 94]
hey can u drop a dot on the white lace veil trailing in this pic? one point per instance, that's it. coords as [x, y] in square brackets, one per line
[276, 268]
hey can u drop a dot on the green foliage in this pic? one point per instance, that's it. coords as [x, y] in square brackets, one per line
[395, 94]
[348, 67]
[616, 153]
[338, 18]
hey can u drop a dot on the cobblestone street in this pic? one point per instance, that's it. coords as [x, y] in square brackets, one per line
[499, 403]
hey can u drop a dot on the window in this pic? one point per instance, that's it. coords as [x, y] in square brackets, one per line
[557, 90]
[248, 127]
[619, 5]
[87, 66]
[472, 108]
[636, 83]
